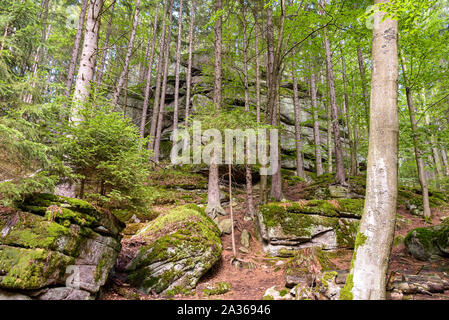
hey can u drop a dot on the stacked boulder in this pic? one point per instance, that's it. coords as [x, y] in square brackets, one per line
[171, 253]
[56, 248]
[285, 227]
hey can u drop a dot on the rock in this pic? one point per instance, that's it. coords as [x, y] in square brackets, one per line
[291, 280]
[414, 208]
[413, 284]
[291, 226]
[324, 288]
[65, 293]
[273, 294]
[57, 242]
[225, 226]
[5, 295]
[174, 251]
[217, 289]
[245, 238]
[243, 250]
[338, 192]
[430, 243]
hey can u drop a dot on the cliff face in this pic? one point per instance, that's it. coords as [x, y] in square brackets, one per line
[202, 92]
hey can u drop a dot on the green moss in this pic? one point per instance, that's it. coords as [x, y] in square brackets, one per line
[300, 220]
[328, 276]
[184, 234]
[217, 289]
[283, 292]
[32, 231]
[179, 290]
[360, 240]
[31, 268]
[346, 291]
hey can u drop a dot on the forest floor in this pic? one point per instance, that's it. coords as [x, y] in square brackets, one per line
[261, 272]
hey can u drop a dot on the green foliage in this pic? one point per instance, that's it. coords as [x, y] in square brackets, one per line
[105, 151]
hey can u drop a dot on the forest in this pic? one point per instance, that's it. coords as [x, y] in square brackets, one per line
[224, 150]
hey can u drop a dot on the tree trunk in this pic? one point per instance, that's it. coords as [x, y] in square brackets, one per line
[160, 117]
[316, 125]
[445, 162]
[178, 63]
[418, 151]
[340, 175]
[189, 63]
[250, 211]
[160, 65]
[368, 277]
[213, 193]
[364, 86]
[276, 178]
[100, 70]
[38, 54]
[122, 78]
[88, 57]
[76, 46]
[346, 112]
[355, 134]
[297, 107]
[149, 73]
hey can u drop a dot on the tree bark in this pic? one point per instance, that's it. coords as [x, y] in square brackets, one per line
[316, 125]
[160, 116]
[122, 78]
[178, 63]
[250, 211]
[88, 57]
[418, 152]
[76, 47]
[368, 277]
[38, 54]
[100, 70]
[189, 63]
[340, 175]
[149, 73]
[364, 86]
[297, 108]
[160, 64]
[213, 193]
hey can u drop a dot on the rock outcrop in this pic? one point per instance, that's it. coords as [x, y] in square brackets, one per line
[172, 252]
[288, 226]
[430, 243]
[56, 248]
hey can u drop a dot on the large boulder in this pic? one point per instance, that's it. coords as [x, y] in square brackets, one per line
[288, 226]
[57, 244]
[175, 250]
[430, 243]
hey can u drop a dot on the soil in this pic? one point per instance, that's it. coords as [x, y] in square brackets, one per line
[265, 272]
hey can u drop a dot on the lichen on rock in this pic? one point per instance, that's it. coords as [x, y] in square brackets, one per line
[317, 223]
[177, 249]
[50, 236]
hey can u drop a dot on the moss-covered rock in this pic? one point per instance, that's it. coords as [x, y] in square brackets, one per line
[295, 225]
[217, 289]
[177, 249]
[430, 243]
[52, 238]
[324, 187]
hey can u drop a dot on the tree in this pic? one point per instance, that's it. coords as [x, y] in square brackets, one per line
[123, 74]
[213, 190]
[76, 47]
[88, 57]
[368, 275]
[418, 152]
